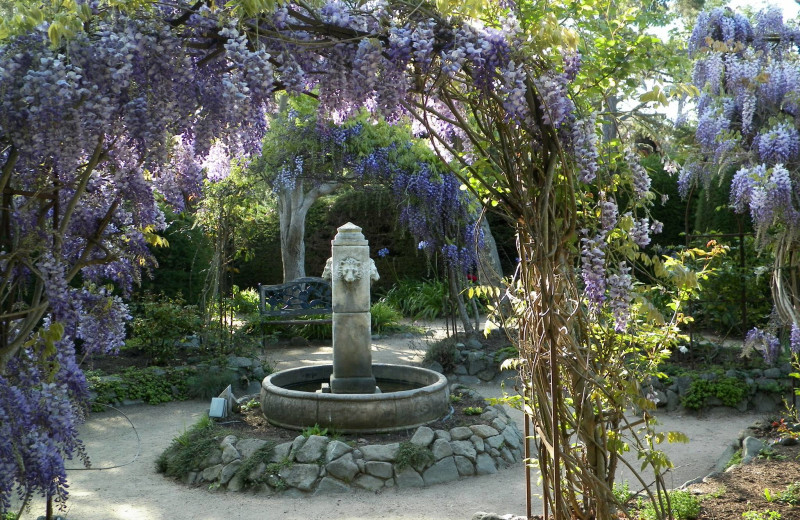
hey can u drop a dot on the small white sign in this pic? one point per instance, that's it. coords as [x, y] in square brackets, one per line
[218, 408]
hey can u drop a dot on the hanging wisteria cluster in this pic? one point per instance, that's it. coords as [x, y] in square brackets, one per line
[93, 133]
[748, 119]
[748, 112]
[433, 208]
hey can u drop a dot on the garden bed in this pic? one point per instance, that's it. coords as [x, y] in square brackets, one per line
[244, 452]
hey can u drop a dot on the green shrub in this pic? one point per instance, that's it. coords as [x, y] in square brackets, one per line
[622, 492]
[151, 385]
[424, 300]
[729, 390]
[443, 352]
[384, 318]
[159, 322]
[209, 382]
[244, 301]
[683, 505]
[761, 515]
[189, 449]
[413, 455]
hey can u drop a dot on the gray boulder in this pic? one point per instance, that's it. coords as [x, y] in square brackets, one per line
[313, 449]
[443, 471]
[301, 476]
[381, 452]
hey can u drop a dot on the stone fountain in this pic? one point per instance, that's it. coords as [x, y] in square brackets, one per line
[353, 395]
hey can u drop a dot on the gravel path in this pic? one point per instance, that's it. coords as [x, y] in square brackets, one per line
[135, 491]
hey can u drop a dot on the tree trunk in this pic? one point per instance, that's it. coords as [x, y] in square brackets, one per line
[293, 206]
[490, 272]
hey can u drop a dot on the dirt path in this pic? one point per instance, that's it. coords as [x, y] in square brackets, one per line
[135, 491]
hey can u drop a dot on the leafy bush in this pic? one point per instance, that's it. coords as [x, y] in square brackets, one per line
[721, 300]
[622, 492]
[151, 385]
[314, 430]
[245, 301]
[159, 322]
[384, 317]
[189, 449]
[208, 383]
[683, 505]
[424, 300]
[443, 352]
[729, 390]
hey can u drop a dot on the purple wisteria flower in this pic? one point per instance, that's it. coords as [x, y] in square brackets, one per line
[764, 342]
[794, 339]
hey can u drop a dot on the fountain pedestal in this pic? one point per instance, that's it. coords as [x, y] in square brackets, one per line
[409, 396]
[351, 272]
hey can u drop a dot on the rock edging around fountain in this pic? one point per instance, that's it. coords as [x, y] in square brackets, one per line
[320, 465]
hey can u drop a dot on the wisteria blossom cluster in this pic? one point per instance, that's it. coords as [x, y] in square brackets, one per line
[749, 76]
[432, 206]
[766, 343]
[93, 133]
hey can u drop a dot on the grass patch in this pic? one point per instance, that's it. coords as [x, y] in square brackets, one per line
[190, 449]
[260, 456]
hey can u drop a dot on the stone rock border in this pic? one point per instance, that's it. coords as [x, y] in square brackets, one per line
[767, 389]
[319, 465]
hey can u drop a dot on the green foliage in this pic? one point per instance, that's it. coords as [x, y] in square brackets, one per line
[209, 382]
[791, 495]
[424, 300]
[736, 458]
[413, 455]
[683, 506]
[189, 449]
[454, 398]
[159, 322]
[151, 385]
[9, 516]
[384, 318]
[729, 390]
[316, 331]
[244, 301]
[443, 352]
[182, 265]
[740, 278]
[473, 410]
[769, 453]
[622, 492]
[252, 404]
[761, 515]
[504, 353]
[261, 455]
[314, 430]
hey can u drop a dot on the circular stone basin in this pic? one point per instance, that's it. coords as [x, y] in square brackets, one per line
[410, 397]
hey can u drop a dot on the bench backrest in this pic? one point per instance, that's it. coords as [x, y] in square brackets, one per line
[300, 297]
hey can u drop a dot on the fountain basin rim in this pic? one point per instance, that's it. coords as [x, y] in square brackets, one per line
[427, 402]
[379, 370]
